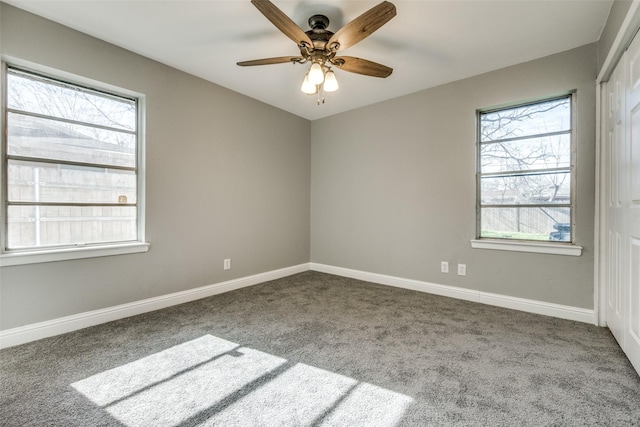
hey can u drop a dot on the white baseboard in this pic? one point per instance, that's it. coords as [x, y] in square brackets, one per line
[522, 304]
[36, 331]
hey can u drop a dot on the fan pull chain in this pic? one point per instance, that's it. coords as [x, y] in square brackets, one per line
[320, 90]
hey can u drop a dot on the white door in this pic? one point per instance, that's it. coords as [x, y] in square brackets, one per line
[631, 209]
[622, 165]
[615, 143]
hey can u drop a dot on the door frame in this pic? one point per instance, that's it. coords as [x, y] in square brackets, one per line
[626, 33]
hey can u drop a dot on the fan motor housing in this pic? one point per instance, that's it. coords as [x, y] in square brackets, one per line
[318, 33]
[318, 22]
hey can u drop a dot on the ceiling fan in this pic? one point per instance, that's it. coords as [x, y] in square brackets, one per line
[319, 46]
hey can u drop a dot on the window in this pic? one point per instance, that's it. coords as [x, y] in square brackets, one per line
[525, 172]
[71, 165]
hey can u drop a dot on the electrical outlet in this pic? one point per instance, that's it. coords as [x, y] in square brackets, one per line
[227, 264]
[462, 269]
[444, 267]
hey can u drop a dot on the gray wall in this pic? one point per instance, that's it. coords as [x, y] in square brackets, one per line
[393, 185]
[227, 177]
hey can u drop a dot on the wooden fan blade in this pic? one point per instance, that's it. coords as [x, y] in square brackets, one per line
[362, 66]
[270, 61]
[363, 26]
[282, 22]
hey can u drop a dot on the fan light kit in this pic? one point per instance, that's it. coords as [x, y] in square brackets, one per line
[319, 46]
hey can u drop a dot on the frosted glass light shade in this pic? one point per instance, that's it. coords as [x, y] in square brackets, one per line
[308, 87]
[330, 82]
[316, 75]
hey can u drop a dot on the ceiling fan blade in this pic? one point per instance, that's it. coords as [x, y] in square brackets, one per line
[282, 22]
[363, 26]
[362, 66]
[270, 61]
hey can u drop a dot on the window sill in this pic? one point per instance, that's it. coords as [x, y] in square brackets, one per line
[35, 257]
[534, 247]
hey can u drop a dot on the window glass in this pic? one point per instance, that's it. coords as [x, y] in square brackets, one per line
[526, 120]
[52, 98]
[526, 189]
[71, 164]
[538, 223]
[527, 154]
[37, 137]
[46, 226]
[525, 171]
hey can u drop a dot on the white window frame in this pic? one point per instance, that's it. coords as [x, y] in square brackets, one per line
[516, 245]
[62, 253]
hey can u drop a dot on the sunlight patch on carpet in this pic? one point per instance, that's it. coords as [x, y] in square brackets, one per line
[212, 381]
[112, 385]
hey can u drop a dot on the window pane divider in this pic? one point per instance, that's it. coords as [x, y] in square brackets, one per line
[532, 136]
[511, 205]
[70, 163]
[525, 172]
[70, 204]
[70, 121]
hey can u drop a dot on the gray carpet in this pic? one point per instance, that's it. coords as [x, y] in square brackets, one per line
[315, 350]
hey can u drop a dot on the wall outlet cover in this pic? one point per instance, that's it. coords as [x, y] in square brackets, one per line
[444, 267]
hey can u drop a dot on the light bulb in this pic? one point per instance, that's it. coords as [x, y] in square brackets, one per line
[316, 75]
[330, 82]
[308, 87]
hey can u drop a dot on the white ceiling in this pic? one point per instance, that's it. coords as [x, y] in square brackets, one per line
[427, 44]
